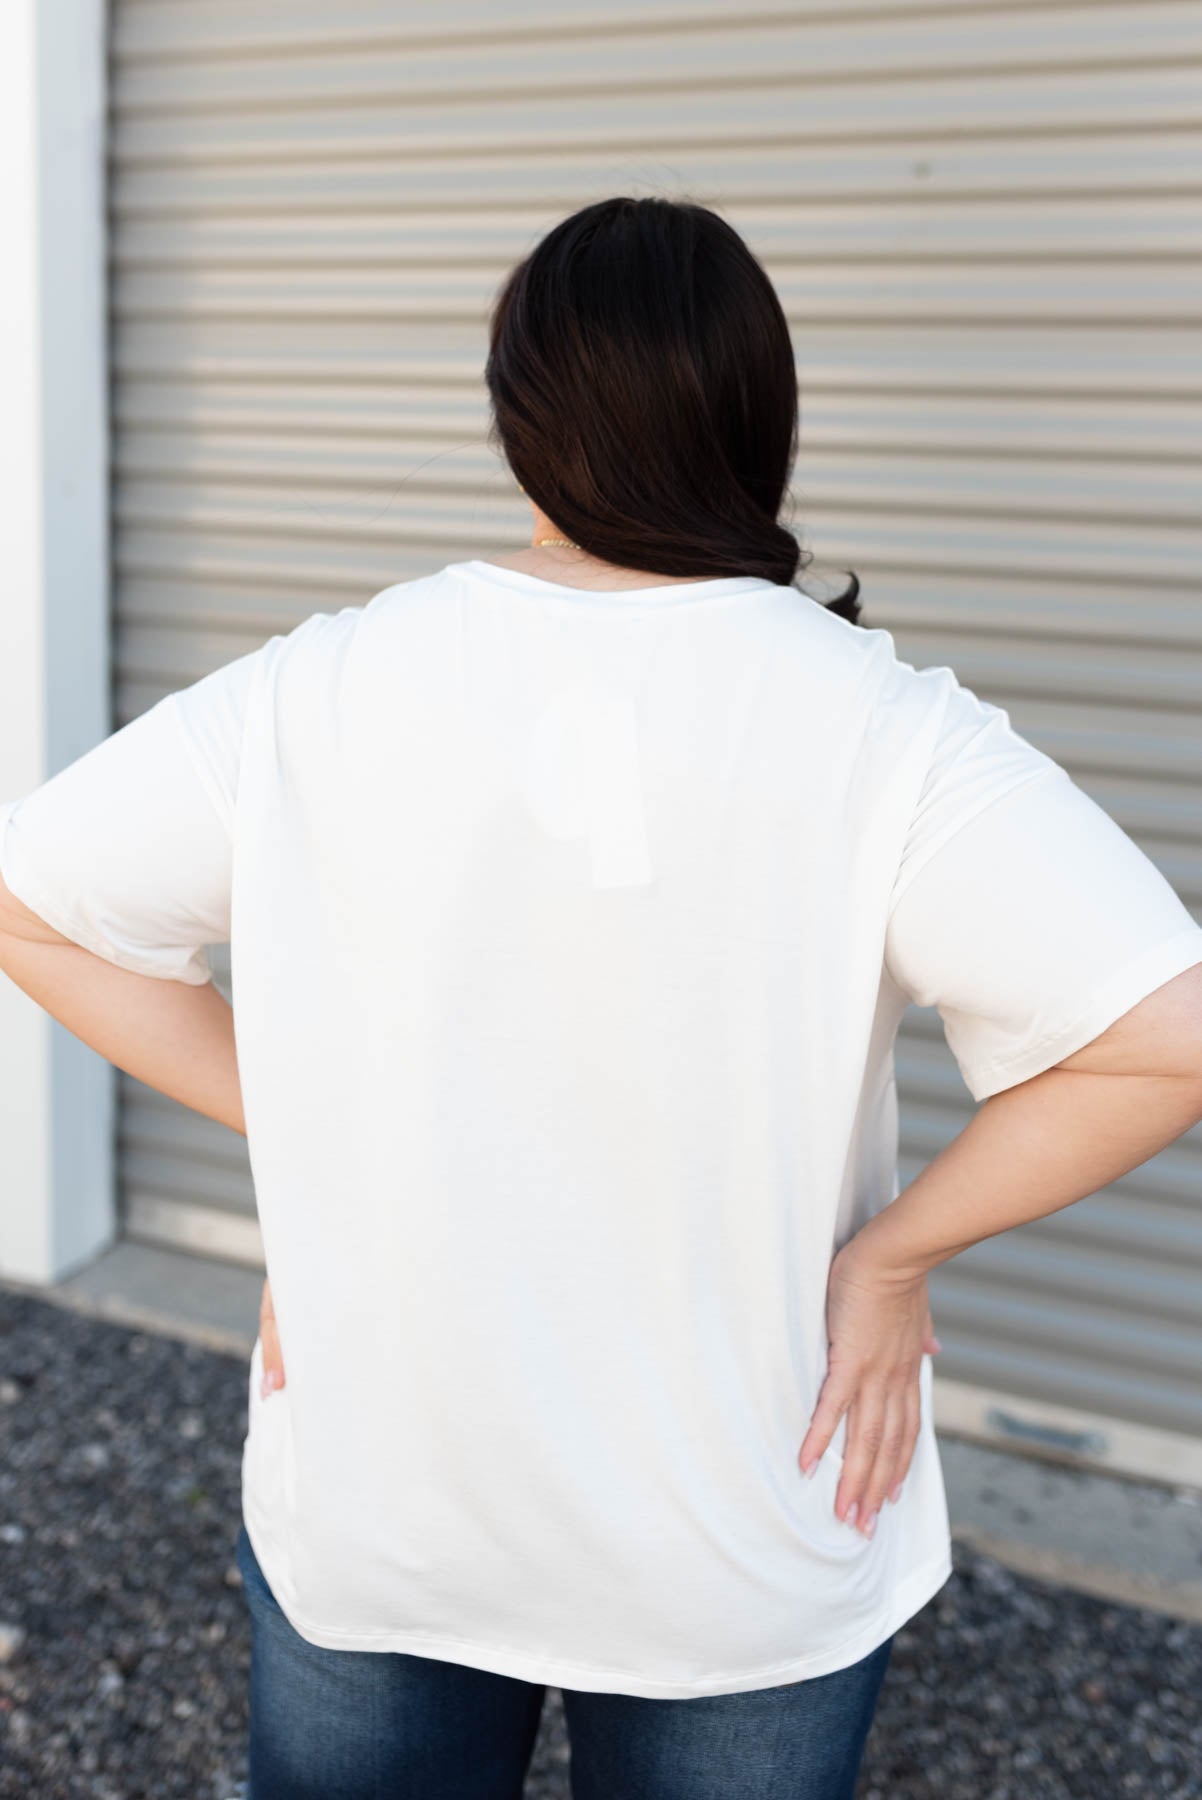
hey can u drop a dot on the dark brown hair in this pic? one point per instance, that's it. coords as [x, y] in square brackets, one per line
[644, 393]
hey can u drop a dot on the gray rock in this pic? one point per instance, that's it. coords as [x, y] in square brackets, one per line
[111, 1681]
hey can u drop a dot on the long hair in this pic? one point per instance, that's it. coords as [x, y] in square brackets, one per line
[644, 393]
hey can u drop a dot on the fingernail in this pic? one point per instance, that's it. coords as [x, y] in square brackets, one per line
[807, 1469]
[895, 1492]
[869, 1525]
[849, 1517]
[937, 1345]
[264, 1387]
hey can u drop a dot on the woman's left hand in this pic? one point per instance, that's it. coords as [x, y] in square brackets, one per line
[879, 1328]
[273, 1356]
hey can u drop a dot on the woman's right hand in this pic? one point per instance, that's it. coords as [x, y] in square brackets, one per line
[273, 1356]
[879, 1328]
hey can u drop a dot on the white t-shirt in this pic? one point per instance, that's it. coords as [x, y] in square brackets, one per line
[570, 933]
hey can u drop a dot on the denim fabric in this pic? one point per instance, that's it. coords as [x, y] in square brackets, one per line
[380, 1725]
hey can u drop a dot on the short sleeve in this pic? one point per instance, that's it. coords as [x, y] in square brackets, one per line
[1021, 910]
[128, 850]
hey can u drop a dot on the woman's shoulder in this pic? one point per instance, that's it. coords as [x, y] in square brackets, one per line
[326, 631]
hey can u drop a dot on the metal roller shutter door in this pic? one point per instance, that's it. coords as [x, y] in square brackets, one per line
[981, 221]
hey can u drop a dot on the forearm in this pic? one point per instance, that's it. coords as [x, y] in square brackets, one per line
[1025, 1153]
[172, 1035]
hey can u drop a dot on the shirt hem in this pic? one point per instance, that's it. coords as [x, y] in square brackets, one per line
[1149, 970]
[907, 1598]
[60, 920]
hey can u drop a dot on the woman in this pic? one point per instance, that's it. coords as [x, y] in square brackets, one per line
[574, 897]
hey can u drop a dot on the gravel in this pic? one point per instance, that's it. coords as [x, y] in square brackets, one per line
[124, 1642]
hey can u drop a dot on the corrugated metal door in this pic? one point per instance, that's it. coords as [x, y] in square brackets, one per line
[981, 219]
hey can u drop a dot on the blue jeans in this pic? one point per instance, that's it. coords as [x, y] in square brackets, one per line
[379, 1725]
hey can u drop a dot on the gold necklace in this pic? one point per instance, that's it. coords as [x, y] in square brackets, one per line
[566, 542]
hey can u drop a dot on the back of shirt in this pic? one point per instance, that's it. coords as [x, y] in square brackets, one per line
[570, 933]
